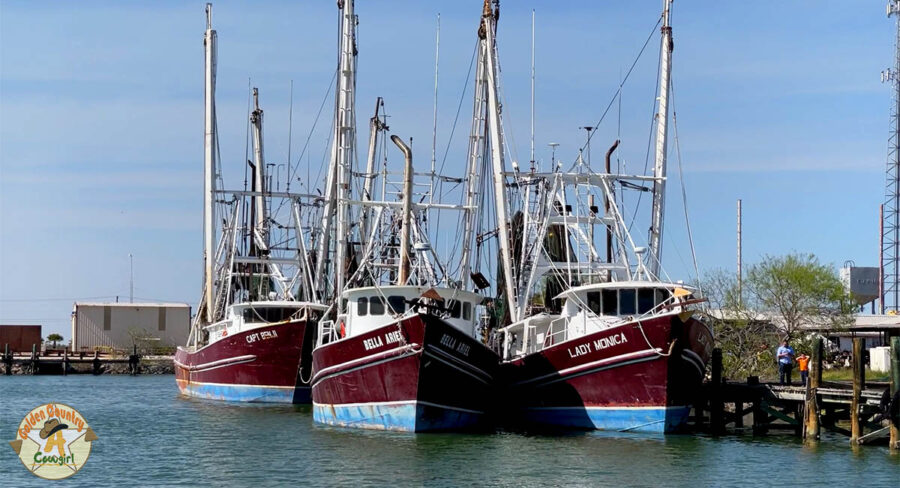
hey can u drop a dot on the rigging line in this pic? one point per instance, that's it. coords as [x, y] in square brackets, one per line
[312, 130]
[615, 95]
[510, 149]
[637, 204]
[459, 108]
[462, 97]
[687, 219]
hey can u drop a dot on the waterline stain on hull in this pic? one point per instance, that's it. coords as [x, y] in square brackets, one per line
[238, 393]
[409, 416]
[658, 420]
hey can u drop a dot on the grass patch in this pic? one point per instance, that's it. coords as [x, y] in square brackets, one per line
[846, 374]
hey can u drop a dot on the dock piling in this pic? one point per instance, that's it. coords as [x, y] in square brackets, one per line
[7, 359]
[895, 386]
[859, 374]
[811, 407]
[716, 406]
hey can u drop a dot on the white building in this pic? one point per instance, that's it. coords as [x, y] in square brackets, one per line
[125, 325]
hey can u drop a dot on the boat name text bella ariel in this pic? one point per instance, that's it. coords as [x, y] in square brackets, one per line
[376, 342]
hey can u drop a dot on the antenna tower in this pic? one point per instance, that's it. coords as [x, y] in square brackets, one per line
[890, 238]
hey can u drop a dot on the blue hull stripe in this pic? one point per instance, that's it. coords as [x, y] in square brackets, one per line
[408, 416]
[624, 419]
[239, 393]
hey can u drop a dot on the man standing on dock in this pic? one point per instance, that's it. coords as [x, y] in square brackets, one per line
[785, 355]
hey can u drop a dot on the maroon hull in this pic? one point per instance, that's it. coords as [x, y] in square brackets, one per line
[418, 375]
[259, 365]
[639, 376]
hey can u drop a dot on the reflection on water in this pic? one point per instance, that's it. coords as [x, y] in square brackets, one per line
[149, 435]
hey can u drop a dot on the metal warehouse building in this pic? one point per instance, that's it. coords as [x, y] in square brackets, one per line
[148, 326]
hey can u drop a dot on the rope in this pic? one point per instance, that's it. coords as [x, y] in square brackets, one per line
[687, 220]
[622, 83]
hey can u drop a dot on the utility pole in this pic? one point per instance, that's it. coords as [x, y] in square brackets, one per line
[131, 273]
[740, 274]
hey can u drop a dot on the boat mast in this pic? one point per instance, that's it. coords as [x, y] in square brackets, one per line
[256, 121]
[209, 167]
[532, 90]
[476, 155]
[338, 186]
[375, 126]
[662, 119]
[488, 30]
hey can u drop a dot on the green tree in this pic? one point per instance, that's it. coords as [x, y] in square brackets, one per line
[744, 337]
[54, 338]
[780, 297]
[799, 292]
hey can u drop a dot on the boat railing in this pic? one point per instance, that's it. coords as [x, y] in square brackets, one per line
[552, 336]
[327, 332]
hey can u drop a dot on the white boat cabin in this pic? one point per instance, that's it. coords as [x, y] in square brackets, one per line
[245, 316]
[591, 308]
[369, 308]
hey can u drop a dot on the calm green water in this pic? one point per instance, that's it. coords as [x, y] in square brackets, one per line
[150, 436]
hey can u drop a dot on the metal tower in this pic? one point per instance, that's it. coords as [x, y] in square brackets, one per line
[890, 237]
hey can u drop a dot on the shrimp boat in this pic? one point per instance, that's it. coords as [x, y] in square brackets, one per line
[252, 337]
[401, 352]
[595, 341]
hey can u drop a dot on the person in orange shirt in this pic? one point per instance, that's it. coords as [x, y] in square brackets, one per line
[803, 362]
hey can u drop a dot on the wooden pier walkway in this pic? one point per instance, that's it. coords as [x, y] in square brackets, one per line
[62, 362]
[866, 413]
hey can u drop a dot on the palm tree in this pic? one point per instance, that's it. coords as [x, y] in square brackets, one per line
[54, 338]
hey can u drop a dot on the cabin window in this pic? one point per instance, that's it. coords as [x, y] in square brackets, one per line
[661, 296]
[376, 306]
[362, 306]
[467, 311]
[268, 314]
[610, 302]
[455, 308]
[344, 304]
[645, 300]
[593, 302]
[627, 301]
[397, 303]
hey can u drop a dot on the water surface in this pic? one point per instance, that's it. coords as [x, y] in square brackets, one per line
[151, 436]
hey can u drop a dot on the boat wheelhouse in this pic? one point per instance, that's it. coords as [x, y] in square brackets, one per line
[371, 308]
[593, 308]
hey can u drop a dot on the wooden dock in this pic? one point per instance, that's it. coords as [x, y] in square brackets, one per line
[62, 363]
[866, 413]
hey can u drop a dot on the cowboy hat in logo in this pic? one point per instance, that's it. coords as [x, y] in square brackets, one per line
[53, 441]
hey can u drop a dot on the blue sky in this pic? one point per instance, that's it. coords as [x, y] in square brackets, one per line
[101, 120]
